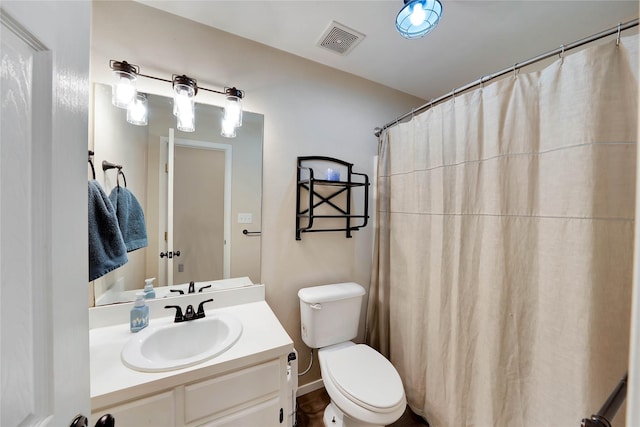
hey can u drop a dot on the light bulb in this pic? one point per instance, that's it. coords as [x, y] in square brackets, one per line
[228, 128]
[233, 111]
[184, 106]
[137, 111]
[418, 15]
[124, 91]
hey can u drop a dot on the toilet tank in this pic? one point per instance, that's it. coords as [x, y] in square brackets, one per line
[329, 314]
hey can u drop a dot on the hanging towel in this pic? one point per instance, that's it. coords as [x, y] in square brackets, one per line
[107, 250]
[130, 218]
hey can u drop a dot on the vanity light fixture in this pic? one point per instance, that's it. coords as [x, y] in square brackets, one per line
[124, 95]
[137, 110]
[228, 128]
[123, 89]
[232, 116]
[233, 106]
[184, 92]
[418, 18]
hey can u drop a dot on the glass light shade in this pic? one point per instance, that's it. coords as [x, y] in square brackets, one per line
[418, 18]
[233, 111]
[186, 116]
[137, 111]
[184, 107]
[123, 89]
[228, 128]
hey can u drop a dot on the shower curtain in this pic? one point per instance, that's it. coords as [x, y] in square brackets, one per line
[503, 253]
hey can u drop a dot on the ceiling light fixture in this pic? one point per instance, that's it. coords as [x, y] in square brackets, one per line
[125, 95]
[418, 17]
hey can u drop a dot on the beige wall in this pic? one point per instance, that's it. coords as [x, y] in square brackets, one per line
[309, 109]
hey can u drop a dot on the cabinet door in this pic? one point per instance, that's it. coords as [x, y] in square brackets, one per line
[153, 411]
[265, 414]
[232, 392]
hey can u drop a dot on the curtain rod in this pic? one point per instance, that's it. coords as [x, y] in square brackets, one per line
[518, 65]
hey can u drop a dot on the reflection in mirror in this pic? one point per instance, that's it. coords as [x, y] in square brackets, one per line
[198, 190]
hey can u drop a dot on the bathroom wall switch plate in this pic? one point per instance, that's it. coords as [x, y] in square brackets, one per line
[245, 218]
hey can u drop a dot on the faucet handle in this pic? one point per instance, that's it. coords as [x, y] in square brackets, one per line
[179, 317]
[180, 291]
[200, 313]
[192, 288]
[203, 288]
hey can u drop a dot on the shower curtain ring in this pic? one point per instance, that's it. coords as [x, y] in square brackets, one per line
[515, 70]
[618, 39]
[561, 54]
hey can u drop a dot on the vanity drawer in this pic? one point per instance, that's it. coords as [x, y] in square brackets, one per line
[231, 392]
[153, 411]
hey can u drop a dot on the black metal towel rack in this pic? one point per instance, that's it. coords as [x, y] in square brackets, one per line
[108, 165]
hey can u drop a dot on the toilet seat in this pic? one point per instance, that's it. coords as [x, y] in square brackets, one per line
[366, 378]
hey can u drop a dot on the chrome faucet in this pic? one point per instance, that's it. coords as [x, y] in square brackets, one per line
[189, 313]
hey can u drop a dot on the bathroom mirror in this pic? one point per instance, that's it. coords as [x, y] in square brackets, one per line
[199, 192]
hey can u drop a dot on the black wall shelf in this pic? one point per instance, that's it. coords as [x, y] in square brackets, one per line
[332, 194]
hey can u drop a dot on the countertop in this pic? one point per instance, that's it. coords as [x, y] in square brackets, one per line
[263, 338]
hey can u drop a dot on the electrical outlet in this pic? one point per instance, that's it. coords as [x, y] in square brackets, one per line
[245, 218]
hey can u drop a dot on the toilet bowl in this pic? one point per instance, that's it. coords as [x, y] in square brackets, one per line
[364, 387]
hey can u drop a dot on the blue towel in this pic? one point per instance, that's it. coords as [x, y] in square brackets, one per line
[130, 218]
[106, 246]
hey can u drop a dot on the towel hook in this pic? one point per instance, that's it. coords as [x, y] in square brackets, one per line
[108, 165]
[93, 170]
[124, 178]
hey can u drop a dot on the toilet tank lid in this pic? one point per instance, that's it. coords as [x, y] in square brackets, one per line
[326, 293]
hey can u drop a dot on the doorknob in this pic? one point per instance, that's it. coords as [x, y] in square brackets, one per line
[169, 254]
[106, 420]
[79, 421]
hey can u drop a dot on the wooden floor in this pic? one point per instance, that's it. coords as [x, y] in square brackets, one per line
[311, 407]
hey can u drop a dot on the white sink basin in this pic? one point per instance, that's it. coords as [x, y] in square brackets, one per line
[179, 345]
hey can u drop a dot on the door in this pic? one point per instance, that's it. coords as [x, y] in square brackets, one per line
[44, 346]
[196, 223]
[198, 214]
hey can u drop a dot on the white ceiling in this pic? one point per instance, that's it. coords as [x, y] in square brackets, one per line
[475, 38]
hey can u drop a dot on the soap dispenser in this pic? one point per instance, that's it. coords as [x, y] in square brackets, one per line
[148, 288]
[139, 313]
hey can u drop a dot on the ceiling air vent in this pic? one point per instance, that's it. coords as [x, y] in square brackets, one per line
[340, 39]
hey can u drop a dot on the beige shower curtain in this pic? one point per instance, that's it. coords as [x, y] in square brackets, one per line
[503, 260]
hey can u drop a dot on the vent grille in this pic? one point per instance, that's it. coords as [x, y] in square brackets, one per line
[340, 39]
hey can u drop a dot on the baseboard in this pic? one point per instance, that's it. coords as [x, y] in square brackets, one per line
[309, 387]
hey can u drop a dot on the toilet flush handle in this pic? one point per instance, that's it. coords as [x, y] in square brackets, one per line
[316, 306]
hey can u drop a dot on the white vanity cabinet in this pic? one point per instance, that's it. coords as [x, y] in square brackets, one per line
[250, 396]
[245, 386]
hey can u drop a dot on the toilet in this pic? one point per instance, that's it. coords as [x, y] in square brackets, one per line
[364, 387]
